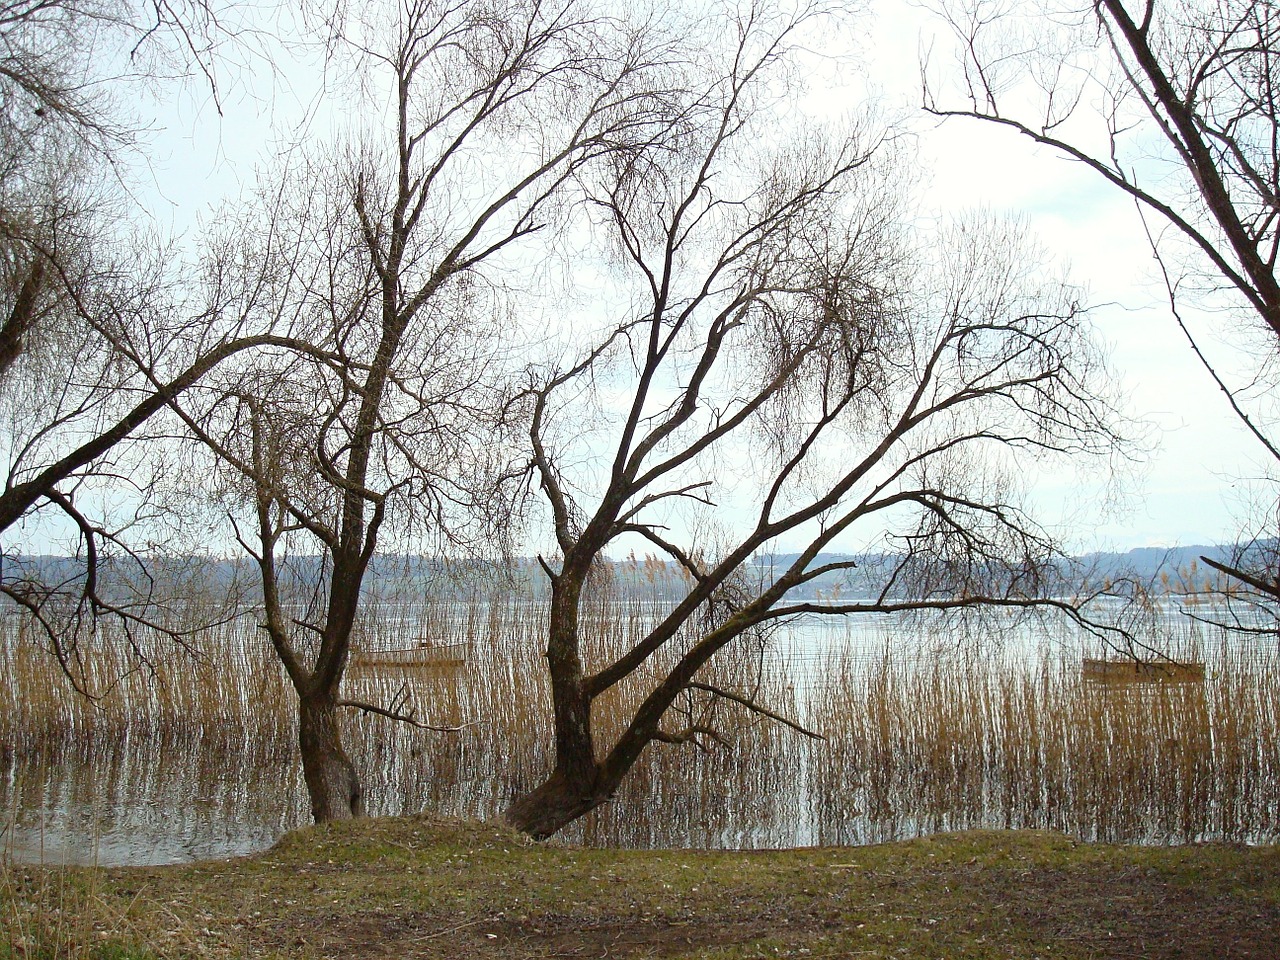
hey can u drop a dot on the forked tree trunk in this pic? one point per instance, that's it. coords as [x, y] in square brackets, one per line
[575, 789]
[581, 782]
[331, 778]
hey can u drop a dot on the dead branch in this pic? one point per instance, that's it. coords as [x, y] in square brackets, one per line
[690, 735]
[399, 717]
[755, 708]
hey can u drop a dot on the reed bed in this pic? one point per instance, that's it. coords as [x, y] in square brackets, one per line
[224, 682]
[1027, 742]
[921, 735]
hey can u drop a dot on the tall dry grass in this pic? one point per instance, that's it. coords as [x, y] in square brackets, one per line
[923, 736]
[1023, 741]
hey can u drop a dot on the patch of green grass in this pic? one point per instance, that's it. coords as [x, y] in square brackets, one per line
[106, 951]
[428, 888]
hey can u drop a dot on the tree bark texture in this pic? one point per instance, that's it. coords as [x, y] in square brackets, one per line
[331, 778]
[574, 786]
[549, 808]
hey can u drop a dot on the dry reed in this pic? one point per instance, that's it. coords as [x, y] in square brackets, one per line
[961, 737]
[1023, 741]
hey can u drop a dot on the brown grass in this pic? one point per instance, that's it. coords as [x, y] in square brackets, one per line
[959, 741]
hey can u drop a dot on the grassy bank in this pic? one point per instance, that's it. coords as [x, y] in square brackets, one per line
[416, 887]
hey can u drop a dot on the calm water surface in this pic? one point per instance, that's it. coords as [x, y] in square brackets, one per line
[223, 788]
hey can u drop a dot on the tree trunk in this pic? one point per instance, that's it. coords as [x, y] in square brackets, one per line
[574, 787]
[331, 778]
[554, 805]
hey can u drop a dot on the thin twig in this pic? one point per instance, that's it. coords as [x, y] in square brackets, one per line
[408, 718]
[756, 708]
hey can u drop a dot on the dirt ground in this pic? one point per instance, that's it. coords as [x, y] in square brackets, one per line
[421, 888]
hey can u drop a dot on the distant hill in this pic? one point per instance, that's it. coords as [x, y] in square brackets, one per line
[1148, 563]
[1144, 565]
[412, 578]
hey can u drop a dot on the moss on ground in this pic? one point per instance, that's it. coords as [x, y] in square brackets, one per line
[422, 887]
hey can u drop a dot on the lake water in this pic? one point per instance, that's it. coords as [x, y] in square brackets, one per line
[928, 729]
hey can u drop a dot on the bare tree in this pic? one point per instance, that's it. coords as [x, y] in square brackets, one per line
[66, 68]
[391, 258]
[95, 340]
[85, 416]
[788, 367]
[1201, 80]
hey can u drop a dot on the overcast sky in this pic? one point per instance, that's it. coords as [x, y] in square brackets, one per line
[1187, 490]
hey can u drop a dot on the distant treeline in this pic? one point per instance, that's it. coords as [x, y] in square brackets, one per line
[408, 578]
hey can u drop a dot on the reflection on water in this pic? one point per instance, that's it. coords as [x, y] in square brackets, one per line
[168, 800]
[921, 736]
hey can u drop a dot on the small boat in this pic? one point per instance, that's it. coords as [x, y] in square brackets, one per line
[1141, 671]
[424, 653]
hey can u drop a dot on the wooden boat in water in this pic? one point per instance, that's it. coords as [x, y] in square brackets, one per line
[1141, 671]
[424, 653]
